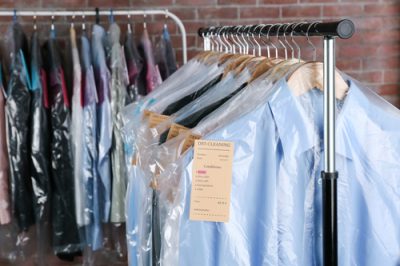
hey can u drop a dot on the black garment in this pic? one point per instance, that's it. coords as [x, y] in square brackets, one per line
[65, 231]
[176, 106]
[40, 148]
[135, 65]
[156, 229]
[192, 120]
[17, 109]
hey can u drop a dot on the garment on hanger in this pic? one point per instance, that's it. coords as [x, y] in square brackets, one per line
[66, 240]
[18, 102]
[40, 148]
[119, 81]
[5, 213]
[149, 77]
[165, 55]
[104, 120]
[90, 176]
[77, 136]
[135, 66]
[292, 165]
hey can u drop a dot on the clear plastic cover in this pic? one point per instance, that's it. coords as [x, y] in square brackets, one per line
[154, 160]
[277, 164]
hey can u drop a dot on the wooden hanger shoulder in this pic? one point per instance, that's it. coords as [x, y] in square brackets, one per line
[310, 76]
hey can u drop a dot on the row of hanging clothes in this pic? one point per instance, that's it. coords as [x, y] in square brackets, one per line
[271, 109]
[62, 173]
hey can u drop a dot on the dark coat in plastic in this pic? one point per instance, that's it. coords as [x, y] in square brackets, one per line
[65, 231]
[18, 117]
[134, 64]
[39, 135]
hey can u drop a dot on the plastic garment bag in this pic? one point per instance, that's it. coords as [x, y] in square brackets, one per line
[165, 55]
[367, 130]
[40, 148]
[118, 94]
[77, 137]
[150, 77]
[5, 204]
[18, 102]
[135, 65]
[89, 157]
[65, 232]
[104, 121]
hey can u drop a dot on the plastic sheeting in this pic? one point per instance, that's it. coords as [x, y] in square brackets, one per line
[276, 199]
[18, 102]
[40, 149]
[149, 78]
[66, 240]
[135, 65]
[104, 120]
[165, 55]
[118, 95]
[5, 204]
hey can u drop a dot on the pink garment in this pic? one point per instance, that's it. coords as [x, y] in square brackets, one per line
[5, 215]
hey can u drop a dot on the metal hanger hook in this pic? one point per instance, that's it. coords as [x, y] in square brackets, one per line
[284, 36]
[309, 41]
[254, 39]
[83, 21]
[166, 18]
[52, 22]
[236, 34]
[250, 39]
[279, 40]
[223, 45]
[295, 43]
[224, 33]
[144, 20]
[34, 21]
[269, 40]
[246, 51]
[232, 36]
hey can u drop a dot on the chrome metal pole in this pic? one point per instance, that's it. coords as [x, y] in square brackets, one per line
[329, 175]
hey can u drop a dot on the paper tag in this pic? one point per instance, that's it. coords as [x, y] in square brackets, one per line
[175, 130]
[134, 160]
[189, 141]
[211, 181]
[156, 119]
[146, 114]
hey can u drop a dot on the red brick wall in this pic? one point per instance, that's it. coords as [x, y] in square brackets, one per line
[372, 55]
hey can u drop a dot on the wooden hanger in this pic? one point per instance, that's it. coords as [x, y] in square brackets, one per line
[310, 76]
[236, 62]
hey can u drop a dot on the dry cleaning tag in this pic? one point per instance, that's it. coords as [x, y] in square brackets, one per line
[156, 119]
[211, 181]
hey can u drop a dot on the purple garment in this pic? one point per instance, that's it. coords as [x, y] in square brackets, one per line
[150, 76]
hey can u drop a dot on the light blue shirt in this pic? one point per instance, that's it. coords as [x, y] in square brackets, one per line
[94, 236]
[276, 199]
[104, 121]
[250, 236]
[367, 152]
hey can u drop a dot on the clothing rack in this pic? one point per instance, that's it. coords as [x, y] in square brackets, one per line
[144, 13]
[343, 29]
